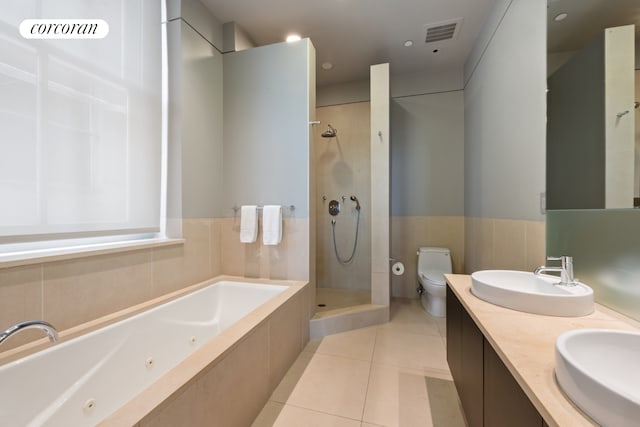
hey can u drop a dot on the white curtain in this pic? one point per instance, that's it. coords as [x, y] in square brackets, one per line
[80, 123]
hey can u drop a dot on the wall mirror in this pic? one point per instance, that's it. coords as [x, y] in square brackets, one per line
[593, 125]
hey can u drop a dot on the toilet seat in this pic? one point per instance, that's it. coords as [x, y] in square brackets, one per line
[434, 277]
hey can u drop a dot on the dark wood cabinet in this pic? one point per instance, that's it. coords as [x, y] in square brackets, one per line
[464, 355]
[472, 371]
[505, 403]
[489, 394]
[454, 334]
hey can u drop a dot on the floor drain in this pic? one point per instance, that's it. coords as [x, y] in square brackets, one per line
[89, 405]
[322, 305]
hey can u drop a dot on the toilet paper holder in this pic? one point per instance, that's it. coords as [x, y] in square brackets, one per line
[397, 268]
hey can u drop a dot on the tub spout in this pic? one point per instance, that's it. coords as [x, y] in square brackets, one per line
[30, 324]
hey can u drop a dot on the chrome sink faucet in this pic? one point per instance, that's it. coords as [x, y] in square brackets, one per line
[30, 324]
[565, 270]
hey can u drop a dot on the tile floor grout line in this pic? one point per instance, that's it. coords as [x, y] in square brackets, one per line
[340, 357]
[366, 393]
[321, 412]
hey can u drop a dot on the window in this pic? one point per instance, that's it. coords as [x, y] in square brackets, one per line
[81, 151]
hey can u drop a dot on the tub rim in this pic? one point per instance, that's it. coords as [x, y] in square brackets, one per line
[64, 335]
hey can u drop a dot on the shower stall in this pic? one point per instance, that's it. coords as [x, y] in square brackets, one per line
[351, 163]
[343, 208]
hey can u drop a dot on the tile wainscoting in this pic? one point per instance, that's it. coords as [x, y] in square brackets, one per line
[475, 244]
[72, 292]
[493, 243]
[408, 233]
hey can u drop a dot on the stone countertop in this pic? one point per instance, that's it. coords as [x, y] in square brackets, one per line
[526, 344]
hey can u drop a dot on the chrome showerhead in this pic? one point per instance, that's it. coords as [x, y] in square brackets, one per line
[331, 132]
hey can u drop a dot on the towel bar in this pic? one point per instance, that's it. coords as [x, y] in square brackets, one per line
[291, 208]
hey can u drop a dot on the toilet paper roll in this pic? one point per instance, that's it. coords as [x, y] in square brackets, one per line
[397, 269]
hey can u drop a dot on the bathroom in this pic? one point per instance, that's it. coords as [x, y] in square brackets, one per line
[485, 123]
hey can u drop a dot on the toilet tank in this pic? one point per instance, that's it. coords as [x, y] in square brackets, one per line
[430, 258]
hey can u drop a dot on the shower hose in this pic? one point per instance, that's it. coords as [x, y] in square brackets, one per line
[355, 243]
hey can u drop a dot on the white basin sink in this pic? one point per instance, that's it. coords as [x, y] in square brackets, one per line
[599, 370]
[538, 294]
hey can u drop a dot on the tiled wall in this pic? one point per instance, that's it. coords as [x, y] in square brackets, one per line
[475, 244]
[493, 243]
[288, 260]
[72, 292]
[343, 167]
[408, 233]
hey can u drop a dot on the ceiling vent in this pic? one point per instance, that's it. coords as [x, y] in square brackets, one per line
[441, 31]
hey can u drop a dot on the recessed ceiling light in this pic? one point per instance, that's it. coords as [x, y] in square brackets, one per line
[327, 65]
[408, 43]
[293, 38]
[560, 17]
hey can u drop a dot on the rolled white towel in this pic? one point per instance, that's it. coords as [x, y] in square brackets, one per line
[272, 224]
[248, 224]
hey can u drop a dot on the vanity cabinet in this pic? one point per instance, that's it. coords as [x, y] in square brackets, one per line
[489, 394]
[505, 403]
[454, 334]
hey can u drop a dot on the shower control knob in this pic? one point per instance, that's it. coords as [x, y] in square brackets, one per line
[334, 207]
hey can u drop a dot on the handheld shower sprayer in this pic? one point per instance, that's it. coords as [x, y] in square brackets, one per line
[355, 199]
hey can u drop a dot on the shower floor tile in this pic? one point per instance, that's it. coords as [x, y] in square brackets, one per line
[387, 375]
[333, 299]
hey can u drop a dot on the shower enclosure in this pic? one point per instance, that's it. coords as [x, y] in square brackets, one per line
[351, 215]
[343, 209]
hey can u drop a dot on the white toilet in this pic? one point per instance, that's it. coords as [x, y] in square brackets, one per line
[433, 264]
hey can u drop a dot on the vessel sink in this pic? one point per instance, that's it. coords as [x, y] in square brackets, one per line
[599, 370]
[531, 293]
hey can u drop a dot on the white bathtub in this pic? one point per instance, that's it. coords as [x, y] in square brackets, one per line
[82, 381]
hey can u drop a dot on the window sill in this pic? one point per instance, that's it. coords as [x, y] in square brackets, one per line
[75, 252]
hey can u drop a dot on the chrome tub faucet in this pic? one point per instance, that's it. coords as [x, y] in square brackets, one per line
[565, 270]
[30, 324]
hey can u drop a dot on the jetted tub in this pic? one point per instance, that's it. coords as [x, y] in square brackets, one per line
[86, 379]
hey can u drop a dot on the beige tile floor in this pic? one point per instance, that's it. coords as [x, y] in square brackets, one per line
[388, 375]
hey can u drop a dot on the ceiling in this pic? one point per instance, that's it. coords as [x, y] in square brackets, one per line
[354, 34]
[586, 19]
